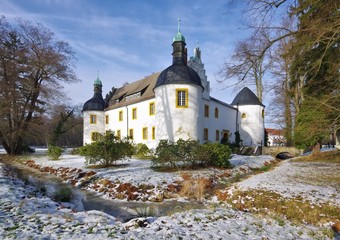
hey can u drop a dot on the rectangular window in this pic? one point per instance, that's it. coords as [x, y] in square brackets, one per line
[217, 135]
[181, 98]
[93, 119]
[216, 112]
[134, 113]
[206, 110]
[145, 133]
[205, 134]
[153, 133]
[120, 116]
[118, 134]
[152, 109]
[131, 133]
[94, 136]
[107, 119]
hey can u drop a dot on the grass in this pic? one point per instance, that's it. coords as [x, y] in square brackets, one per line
[328, 157]
[293, 209]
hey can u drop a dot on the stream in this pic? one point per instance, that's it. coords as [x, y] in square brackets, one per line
[85, 200]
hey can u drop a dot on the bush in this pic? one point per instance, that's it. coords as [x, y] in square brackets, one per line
[165, 154]
[185, 153]
[63, 194]
[54, 152]
[219, 154]
[141, 150]
[107, 149]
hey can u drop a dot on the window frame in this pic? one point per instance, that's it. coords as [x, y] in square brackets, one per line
[134, 113]
[153, 107]
[145, 133]
[216, 112]
[217, 137]
[120, 116]
[94, 136]
[131, 135]
[206, 110]
[153, 133]
[119, 134]
[107, 119]
[186, 94]
[205, 134]
[93, 119]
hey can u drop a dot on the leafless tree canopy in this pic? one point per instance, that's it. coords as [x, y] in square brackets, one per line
[33, 64]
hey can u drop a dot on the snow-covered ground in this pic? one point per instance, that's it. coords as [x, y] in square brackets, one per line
[292, 179]
[25, 214]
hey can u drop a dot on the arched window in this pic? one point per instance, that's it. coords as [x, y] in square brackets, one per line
[216, 112]
[243, 115]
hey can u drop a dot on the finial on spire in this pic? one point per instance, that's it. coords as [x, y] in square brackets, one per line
[179, 25]
[97, 74]
[196, 44]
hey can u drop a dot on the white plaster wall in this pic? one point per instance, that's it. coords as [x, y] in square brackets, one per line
[226, 121]
[252, 126]
[174, 123]
[89, 128]
[143, 120]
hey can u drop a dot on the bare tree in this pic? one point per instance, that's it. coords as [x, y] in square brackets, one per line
[33, 63]
[248, 64]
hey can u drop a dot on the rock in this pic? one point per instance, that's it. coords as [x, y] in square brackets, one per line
[336, 227]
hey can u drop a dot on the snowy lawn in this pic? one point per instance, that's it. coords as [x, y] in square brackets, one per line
[25, 214]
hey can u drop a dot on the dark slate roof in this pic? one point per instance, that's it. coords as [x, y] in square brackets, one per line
[178, 73]
[223, 103]
[246, 97]
[145, 86]
[96, 103]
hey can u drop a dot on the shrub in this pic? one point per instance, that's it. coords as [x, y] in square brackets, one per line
[54, 152]
[142, 150]
[63, 194]
[219, 154]
[165, 154]
[185, 153]
[107, 149]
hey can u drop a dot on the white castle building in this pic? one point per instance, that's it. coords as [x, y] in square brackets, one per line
[174, 104]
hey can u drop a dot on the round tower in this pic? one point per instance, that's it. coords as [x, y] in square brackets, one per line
[93, 114]
[178, 93]
[250, 120]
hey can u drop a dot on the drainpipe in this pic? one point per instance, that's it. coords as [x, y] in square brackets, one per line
[237, 119]
[127, 121]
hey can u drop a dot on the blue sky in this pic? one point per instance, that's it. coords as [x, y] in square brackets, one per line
[128, 40]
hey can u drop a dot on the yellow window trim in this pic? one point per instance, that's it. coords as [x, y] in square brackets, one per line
[206, 110]
[120, 116]
[186, 97]
[154, 109]
[153, 133]
[216, 112]
[134, 116]
[94, 116]
[131, 130]
[145, 136]
[106, 119]
[205, 134]
[94, 136]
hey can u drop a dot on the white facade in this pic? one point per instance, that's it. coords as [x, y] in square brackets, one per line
[174, 104]
[251, 124]
[175, 122]
[93, 123]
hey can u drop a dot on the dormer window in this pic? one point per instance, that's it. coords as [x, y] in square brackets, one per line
[133, 96]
